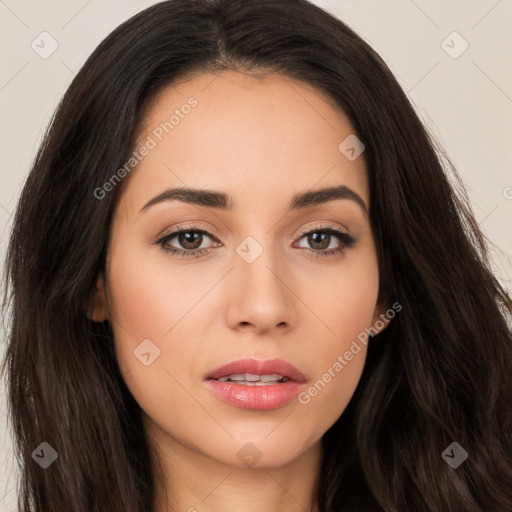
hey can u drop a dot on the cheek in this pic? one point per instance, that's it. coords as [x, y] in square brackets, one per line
[148, 306]
[140, 300]
[149, 296]
[342, 297]
[345, 304]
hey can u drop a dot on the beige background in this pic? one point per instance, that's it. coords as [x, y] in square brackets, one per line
[466, 101]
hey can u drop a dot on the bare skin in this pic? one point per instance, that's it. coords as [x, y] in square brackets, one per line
[262, 142]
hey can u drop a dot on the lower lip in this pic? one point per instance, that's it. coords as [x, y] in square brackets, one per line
[256, 397]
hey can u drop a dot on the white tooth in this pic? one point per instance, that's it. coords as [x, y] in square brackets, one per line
[251, 377]
[259, 383]
[237, 376]
[270, 378]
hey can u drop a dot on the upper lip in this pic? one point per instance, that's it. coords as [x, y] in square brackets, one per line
[257, 367]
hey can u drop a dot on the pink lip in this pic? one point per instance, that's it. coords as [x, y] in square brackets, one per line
[271, 396]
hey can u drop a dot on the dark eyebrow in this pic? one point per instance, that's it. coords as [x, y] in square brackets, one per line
[222, 201]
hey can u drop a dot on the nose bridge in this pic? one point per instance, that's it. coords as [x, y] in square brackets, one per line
[260, 264]
[261, 294]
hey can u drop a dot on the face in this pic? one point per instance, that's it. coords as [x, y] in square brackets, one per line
[256, 273]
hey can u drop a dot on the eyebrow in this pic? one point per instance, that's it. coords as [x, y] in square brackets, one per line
[222, 201]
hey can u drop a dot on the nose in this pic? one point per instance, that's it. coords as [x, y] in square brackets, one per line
[260, 295]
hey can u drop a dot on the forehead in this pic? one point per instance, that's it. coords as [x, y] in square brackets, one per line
[231, 131]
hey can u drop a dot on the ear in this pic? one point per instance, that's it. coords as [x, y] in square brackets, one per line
[380, 319]
[97, 309]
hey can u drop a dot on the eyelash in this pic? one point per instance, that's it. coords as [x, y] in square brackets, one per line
[346, 240]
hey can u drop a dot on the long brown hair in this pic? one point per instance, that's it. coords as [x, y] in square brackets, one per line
[440, 373]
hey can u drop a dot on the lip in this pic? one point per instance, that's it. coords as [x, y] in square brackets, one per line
[263, 397]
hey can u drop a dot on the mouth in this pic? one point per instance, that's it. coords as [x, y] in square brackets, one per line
[255, 384]
[249, 371]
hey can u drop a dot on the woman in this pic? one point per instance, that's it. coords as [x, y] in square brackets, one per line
[240, 277]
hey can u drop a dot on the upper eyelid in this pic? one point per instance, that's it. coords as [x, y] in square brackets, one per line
[184, 228]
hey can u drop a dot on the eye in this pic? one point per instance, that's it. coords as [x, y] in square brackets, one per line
[189, 238]
[323, 237]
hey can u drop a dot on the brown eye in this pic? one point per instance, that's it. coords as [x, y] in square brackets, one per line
[186, 241]
[319, 240]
